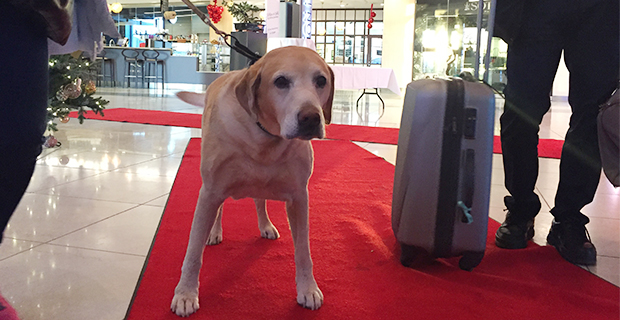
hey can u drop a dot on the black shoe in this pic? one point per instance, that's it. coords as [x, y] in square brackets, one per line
[514, 234]
[572, 240]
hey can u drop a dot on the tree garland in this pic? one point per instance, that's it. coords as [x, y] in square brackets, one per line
[71, 88]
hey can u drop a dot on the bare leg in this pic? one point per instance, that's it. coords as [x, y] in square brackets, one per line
[267, 229]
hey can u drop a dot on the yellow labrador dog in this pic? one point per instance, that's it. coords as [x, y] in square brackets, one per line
[256, 128]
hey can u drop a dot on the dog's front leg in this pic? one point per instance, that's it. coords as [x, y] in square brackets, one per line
[308, 293]
[267, 229]
[185, 301]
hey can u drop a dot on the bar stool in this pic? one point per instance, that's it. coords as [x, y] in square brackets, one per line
[106, 69]
[133, 66]
[152, 65]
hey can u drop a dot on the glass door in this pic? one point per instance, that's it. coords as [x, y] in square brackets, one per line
[374, 50]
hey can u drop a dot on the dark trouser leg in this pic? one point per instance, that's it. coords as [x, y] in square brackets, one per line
[531, 66]
[23, 102]
[15, 173]
[591, 56]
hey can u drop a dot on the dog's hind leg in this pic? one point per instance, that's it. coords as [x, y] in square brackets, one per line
[185, 301]
[267, 229]
[308, 293]
[215, 236]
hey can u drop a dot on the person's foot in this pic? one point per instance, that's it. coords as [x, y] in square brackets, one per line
[514, 234]
[572, 240]
[516, 230]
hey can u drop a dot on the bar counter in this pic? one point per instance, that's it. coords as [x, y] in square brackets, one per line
[178, 69]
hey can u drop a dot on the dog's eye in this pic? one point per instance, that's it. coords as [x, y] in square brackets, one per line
[320, 81]
[282, 82]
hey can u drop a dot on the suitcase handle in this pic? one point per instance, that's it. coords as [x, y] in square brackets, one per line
[467, 217]
[469, 183]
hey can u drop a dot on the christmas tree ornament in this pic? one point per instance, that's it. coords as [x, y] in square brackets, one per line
[51, 141]
[90, 87]
[61, 95]
[65, 119]
[63, 160]
[74, 89]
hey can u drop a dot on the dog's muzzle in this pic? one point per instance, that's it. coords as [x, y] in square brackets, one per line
[309, 125]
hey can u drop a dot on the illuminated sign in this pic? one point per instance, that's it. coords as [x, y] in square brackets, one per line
[306, 19]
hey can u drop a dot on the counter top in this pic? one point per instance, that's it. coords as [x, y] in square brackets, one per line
[136, 48]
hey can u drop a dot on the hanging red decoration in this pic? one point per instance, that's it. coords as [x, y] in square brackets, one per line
[215, 12]
[372, 16]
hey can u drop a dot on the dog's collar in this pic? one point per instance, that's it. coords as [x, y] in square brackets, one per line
[265, 130]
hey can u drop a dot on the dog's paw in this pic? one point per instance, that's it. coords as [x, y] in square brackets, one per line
[312, 298]
[269, 232]
[214, 238]
[184, 304]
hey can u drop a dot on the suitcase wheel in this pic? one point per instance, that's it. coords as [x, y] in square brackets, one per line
[470, 260]
[411, 256]
[407, 254]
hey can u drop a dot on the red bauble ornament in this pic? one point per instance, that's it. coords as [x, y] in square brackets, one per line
[373, 14]
[371, 20]
[215, 11]
[369, 26]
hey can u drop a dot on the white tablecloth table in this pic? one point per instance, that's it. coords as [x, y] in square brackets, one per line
[348, 77]
[274, 43]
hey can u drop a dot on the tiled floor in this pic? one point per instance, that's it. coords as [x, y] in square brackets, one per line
[76, 245]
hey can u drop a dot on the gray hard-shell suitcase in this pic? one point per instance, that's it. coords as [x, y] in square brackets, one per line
[443, 170]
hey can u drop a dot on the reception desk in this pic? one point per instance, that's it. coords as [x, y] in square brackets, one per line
[178, 69]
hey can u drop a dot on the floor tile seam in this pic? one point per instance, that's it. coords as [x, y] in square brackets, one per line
[38, 244]
[145, 161]
[96, 250]
[37, 191]
[117, 170]
[543, 197]
[73, 151]
[66, 167]
[163, 195]
[91, 224]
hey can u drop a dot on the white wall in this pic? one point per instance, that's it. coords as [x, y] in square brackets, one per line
[398, 28]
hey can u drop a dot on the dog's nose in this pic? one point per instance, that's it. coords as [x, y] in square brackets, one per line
[309, 120]
[309, 125]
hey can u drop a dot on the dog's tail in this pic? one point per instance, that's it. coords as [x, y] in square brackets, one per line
[193, 98]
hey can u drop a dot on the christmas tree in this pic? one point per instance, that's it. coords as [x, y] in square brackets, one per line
[71, 88]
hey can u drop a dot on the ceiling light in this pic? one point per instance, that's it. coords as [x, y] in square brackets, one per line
[116, 7]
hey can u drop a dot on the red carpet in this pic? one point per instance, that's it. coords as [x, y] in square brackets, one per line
[355, 260]
[547, 148]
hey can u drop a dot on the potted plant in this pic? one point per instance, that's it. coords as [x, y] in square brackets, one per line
[244, 13]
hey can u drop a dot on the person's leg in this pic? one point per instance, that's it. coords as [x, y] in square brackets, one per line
[592, 58]
[23, 102]
[532, 62]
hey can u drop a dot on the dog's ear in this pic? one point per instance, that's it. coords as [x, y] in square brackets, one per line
[247, 89]
[327, 107]
[196, 99]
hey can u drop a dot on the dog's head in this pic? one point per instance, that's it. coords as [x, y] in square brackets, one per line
[290, 91]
